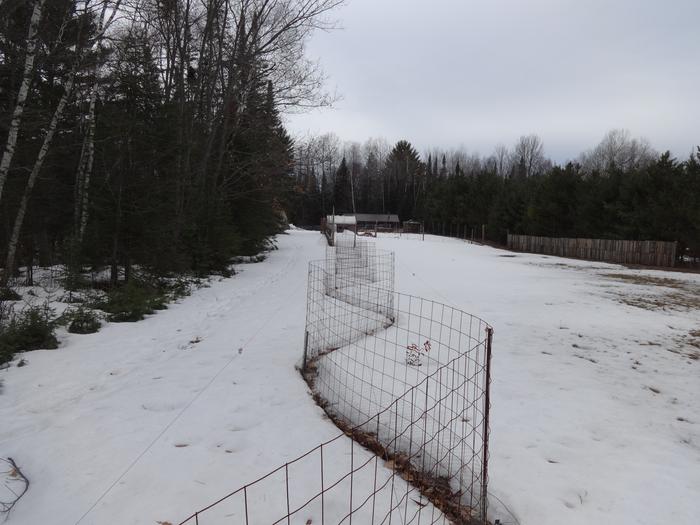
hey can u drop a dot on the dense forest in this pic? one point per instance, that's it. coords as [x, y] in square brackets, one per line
[148, 133]
[620, 189]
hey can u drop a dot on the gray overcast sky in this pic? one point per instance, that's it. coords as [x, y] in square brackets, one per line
[474, 73]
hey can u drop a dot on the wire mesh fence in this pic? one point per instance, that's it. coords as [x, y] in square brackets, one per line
[406, 379]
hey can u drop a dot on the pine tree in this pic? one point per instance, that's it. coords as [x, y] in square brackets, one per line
[341, 189]
[403, 170]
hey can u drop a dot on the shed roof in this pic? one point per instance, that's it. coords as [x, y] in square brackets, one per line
[341, 219]
[377, 217]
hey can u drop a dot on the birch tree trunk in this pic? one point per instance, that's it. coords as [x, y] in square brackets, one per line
[48, 139]
[21, 95]
[87, 157]
[38, 163]
[89, 161]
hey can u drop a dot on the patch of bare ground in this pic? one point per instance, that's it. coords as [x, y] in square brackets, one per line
[694, 338]
[689, 345]
[648, 280]
[568, 266]
[663, 302]
[671, 294]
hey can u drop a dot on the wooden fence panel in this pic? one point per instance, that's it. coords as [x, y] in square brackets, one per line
[649, 253]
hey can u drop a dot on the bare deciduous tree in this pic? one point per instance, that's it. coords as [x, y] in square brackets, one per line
[502, 160]
[27, 75]
[620, 150]
[529, 152]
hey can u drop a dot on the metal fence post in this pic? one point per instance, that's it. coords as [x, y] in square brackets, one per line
[487, 410]
[306, 346]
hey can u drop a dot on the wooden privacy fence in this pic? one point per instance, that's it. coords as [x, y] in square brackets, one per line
[650, 253]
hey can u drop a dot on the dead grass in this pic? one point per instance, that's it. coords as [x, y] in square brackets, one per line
[647, 280]
[689, 345]
[670, 301]
[567, 266]
[670, 294]
[576, 266]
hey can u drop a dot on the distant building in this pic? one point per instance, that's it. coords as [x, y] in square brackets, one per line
[363, 221]
[342, 220]
[339, 223]
[384, 221]
[412, 226]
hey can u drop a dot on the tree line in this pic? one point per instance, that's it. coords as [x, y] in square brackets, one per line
[148, 132]
[620, 189]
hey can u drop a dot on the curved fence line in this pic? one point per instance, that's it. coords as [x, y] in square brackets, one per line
[407, 380]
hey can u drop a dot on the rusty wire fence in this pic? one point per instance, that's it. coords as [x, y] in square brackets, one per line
[407, 381]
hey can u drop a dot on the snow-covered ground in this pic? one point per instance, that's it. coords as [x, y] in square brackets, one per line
[181, 408]
[596, 389]
[596, 380]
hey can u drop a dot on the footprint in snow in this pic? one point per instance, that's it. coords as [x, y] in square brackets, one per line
[161, 407]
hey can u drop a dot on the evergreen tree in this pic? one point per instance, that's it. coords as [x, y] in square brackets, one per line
[342, 201]
[443, 168]
[404, 173]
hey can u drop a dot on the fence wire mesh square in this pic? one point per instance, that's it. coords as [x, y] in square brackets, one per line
[407, 381]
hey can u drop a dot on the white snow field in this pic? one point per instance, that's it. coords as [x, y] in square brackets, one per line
[596, 380]
[595, 393]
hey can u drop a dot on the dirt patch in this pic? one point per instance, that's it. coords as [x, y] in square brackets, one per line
[667, 293]
[568, 266]
[689, 345]
[578, 266]
[670, 301]
[648, 280]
